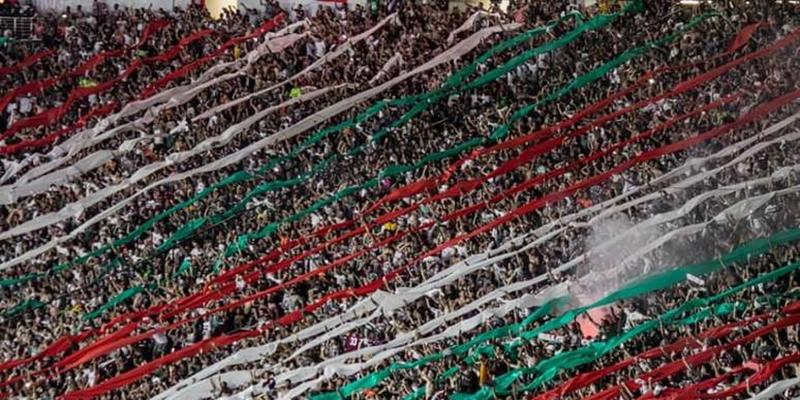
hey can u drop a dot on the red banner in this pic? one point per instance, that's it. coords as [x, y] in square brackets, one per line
[763, 373]
[26, 62]
[49, 139]
[59, 346]
[54, 114]
[744, 36]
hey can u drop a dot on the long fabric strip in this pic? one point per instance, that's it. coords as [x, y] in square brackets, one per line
[51, 138]
[32, 182]
[379, 283]
[43, 84]
[9, 282]
[59, 346]
[27, 62]
[43, 185]
[60, 154]
[73, 209]
[268, 230]
[776, 389]
[54, 114]
[703, 357]
[469, 23]
[421, 105]
[429, 183]
[762, 372]
[590, 354]
[461, 213]
[379, 299]
[188, 68]
[588, 378]
[499, 134]
[12, 281]
[336, 366]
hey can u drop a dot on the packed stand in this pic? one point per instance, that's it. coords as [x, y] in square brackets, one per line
[246, 271]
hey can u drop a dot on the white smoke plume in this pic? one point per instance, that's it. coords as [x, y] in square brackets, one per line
[610, 241]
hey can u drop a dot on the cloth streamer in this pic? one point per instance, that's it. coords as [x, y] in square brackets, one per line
[469, 23]
[188, 68]
[276, 185]
[499, 134]
[230, 288]
[341, 49]
[415, 186]
[242, 241]
[27, 62]
[50, 138]
[671, 368]
[8, 282]
[776, 389]
[588, 378]
[658, 282]
[337, 366]
[202, 147]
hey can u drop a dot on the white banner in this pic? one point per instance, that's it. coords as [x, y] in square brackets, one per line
[320, 62]
[776, 389]
[469, 23]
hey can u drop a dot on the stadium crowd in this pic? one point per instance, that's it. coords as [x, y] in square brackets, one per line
[163, 266]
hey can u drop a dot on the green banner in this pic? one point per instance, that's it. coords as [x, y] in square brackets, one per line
[116, 300]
